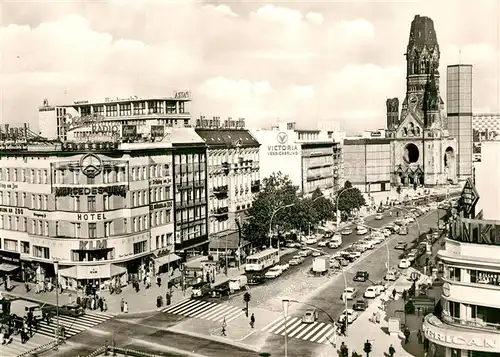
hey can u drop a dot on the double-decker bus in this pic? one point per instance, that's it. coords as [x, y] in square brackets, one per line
[262, 260]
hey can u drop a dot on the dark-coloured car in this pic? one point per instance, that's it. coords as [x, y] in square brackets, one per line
[361, 276]
[220, 291]
[72, 310]
[256, 279]
[360, 305]
[401, 246]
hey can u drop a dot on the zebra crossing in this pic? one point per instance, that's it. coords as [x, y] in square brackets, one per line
[46, 332]
[205, 310]
[317, 332]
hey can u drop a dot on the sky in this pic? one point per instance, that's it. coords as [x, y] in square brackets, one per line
[301, 61]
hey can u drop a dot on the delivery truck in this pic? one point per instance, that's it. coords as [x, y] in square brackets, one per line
[238, 283]
[320, 265]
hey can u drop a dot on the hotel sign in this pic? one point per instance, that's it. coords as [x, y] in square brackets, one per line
[120, 190]
[91, 217]
[93, 244]
[470, 196]
[282, 146]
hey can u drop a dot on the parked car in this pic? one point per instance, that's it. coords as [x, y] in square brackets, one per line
[323, 243]
[349, 293]
[346, 232]
[220, 291]
[391, 275]
[294, 262]
[404, 264]
[256, 279]
[411, 256]
[310, 316]
[361, 231]
[379, 216]
[284, 267]
[386, 232]
[351, 316]
[317, 254]
[361, 275]
[360, 305]
[273, 273]
[72, 310]
[354, 255]
[371, 292]
[401, 245]
[333, 245]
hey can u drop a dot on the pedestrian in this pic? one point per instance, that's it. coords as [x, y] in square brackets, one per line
[104, 305]
[392, 351]
[125, 307]
[394, 294]
[122, 304]
[344, 351]
[377, 317]
[47, 318]
[407, 335]
[252, 320]
[419, 337]
[224, 324]
[158, 281]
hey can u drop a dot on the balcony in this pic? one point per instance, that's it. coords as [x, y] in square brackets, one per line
[226, 167]
[220, 191]
[255, 187]
[190, 203]
[472, 323]
[221, 213]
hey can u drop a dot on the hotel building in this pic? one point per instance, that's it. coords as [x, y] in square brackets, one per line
[470, 320]
[232, 181]
[108, 116]
[311, 158]
[107, 211]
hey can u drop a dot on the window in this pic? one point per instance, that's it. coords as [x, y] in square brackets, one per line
[125, 109]
[105, 202]
[77, 229]
[92, 230]
[91, 203]
[140, 247]
[41, 252]
[45, 203]
[107, 229]
[25, 247]
[139, 108]
[76, 203]
[112, 110]
[134, 224]
[10, 244]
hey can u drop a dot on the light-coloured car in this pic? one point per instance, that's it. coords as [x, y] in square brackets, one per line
[354, 255]
[410, 219]
[351, 316]
[310, 316]
[404, 264]
[391, 275]
[323, 243]
[294, 262]
[333, 245]
[310, 241]
[361, 231]
[349, 293]
[284, 267]
[379, 216]
[411, 256]
[317, 254]
[273, 273]
[371, 292]
[346, 232]
[386, 232]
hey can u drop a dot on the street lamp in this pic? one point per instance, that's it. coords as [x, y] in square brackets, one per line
[56, 271]
[271, 222]
[337, 203]
[385, 242]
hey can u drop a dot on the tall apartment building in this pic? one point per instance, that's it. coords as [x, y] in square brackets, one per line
[216, 123]
[108, 116]
[470, 321]
[107, 211]
[459, 113]
[486, 126]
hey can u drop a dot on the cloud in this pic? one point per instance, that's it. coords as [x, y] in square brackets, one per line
[294, 62]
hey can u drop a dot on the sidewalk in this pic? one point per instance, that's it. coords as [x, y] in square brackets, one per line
[363, 329]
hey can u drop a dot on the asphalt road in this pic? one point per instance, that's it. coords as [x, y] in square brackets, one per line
[373, 261]
[147, 333]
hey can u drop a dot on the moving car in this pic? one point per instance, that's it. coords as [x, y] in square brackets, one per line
[386, 232]
[349, 293]
[361, 275]
[220, 291]
[295, 261]
[72, 310]
[360, 305]
[333, 245]
[354, 255]
[361, 231]
[273, 273]
[404, 264]
[371, 292]
[200, 289]
[346, 232]
[317, 254]
[410, 219]
[391, 275]
[323, 243]
[401, 245]
[284, 267]
[411, 256]
[379, 216]
[310, 316]
[351, 316]
[256, 279]
[305, 253]
[310, 241]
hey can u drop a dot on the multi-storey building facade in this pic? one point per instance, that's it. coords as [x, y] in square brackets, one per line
[106, 211]
[233, 176]
[311, 158]
[216, 123]
[459, 114]
[148, 115]
[486, 126]
[470, 320]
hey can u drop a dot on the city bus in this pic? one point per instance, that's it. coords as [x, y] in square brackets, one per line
[262, 260]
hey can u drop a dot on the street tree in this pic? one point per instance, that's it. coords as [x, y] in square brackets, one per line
[350, 200]
[276, 191]
[246, 299]
[323, 206]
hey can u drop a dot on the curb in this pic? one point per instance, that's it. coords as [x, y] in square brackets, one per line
[215, 339]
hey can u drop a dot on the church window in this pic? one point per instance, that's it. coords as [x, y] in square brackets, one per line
[405, 131]
[417, 130]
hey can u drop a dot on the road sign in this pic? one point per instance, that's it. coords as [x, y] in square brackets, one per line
[415, 275]
[470, 196]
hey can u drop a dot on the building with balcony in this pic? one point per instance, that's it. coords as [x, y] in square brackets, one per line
[106, 211]
[108, 117]
[470, 322]
[216, 123]
[311, 158]
[232, 181]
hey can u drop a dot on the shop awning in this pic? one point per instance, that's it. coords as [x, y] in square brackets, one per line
[165, 259]
[8, 267]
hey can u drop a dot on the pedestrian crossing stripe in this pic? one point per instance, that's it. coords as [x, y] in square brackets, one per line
[205, 310]
[45, 333]
[317, 332]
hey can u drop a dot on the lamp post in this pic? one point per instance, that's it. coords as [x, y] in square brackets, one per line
[271, 222]
[56, 271]
[286, 303]
[385, 242]
[337, 203]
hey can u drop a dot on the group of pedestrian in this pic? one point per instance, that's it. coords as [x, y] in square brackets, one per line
[94, 302]
[123, 306]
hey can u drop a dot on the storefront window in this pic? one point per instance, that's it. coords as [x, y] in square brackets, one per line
[41, 252]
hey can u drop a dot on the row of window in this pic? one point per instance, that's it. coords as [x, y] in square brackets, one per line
[472, 276]
[74, 176]
[24, 247]
[18, 199]
[135, 108]
[35, 176]
[164, 240]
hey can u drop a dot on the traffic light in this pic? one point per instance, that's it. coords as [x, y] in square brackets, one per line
[368, 348]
